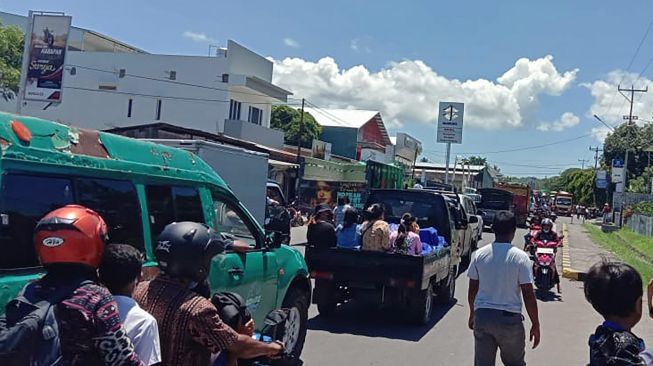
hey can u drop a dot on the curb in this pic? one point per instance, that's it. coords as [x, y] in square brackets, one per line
[567, 271]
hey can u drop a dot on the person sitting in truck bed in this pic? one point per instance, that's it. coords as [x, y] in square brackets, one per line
[321, 232]
[406, 239]
[375, 232]
[348, 232]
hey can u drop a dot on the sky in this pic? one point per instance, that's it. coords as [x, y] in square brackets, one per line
[530, 73]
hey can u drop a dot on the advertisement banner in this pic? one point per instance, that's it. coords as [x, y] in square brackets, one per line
[314, 192]
[46, 54]
[321, 150]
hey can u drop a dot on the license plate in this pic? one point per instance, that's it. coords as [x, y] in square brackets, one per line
[544, 250]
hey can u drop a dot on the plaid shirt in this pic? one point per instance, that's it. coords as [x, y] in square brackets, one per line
[189, 326]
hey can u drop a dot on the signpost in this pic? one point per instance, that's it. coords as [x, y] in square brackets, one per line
[618, 174]
[601, 179]
[450, 128]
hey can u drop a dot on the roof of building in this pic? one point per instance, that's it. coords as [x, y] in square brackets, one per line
[351, 118]
[393, 139]
[443, 167]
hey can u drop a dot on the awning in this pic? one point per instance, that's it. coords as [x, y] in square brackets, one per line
[283, 164]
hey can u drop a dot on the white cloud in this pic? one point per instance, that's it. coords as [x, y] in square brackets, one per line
[290, 42]
[600, 133]
[354, 44]
[198, 37]
[567, 120]
[357, 46]
[410, 90]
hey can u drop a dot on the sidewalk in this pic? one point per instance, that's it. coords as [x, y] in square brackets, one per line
[583, 252]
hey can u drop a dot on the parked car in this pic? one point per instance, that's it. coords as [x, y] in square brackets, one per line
[391, 279]
[138, 187]
[470, 209]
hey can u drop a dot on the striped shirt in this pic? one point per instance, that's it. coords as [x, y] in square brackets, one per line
[189, 326]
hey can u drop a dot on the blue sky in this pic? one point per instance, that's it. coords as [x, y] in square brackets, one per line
[475, 41]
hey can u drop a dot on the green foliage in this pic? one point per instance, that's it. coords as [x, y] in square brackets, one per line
[11, 54]
[476, 160]
[644, 208]
[287, 119]
[642, 183]
[632, 137]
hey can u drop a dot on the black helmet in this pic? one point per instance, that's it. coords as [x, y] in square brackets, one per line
[185, 250]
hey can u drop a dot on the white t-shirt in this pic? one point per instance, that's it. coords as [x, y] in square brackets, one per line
[500, 269]
[141, 328]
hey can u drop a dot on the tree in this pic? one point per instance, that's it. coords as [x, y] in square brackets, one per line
[424, 159]
[642, 183]
[287, 119]
[634, 138]
[11, 55]
[476, 160]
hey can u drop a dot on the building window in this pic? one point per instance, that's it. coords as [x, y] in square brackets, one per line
[158, 109]
[234, 110]
[130, 104]
[255, 115]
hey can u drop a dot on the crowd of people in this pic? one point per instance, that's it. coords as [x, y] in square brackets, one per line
[93, 309]
[341, 227]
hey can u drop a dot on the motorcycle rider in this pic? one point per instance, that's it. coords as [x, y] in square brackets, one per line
[190, 327]
[548, 234]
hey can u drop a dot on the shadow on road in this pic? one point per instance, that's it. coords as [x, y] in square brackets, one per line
[391, 323]
[548, 296]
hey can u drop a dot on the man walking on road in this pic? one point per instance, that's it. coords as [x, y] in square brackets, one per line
[498, 273]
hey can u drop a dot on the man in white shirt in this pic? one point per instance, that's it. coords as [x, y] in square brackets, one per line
[500, 275]
[120, 272]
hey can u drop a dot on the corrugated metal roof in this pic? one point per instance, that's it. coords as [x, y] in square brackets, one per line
[352, 118]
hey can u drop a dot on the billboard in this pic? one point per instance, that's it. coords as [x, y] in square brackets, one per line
[46, 53]
[314, 192]
[450, 122]
[321, 150]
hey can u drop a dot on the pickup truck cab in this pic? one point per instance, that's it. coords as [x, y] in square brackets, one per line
[389, 279]
[492, 201]
[138, 187]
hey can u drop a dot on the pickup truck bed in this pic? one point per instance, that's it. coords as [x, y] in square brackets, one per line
[385, 279]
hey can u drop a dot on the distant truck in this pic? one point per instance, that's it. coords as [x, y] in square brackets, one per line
[562, 203]
[521, 200]
[492, 201]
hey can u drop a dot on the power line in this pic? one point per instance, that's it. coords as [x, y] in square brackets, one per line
[527, 147]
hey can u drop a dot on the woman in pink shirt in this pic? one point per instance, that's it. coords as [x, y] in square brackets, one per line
[406, 239]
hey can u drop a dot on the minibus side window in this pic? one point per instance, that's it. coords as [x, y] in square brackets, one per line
[24, 200]
[167, 204]
[228, 220]
[117, 202]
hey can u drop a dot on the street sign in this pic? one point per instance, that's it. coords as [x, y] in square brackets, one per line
[450, 122]
[635, 118]
[617, 163]
[602, 183]
[601, 175]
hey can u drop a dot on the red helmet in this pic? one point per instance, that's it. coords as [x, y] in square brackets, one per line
[71, 234]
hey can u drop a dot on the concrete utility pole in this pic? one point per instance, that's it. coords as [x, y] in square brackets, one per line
[596, 156]
[582, 162]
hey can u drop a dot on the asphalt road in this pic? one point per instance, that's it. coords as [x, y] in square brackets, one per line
[364, 336]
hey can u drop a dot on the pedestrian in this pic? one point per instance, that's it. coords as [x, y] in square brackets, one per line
[500, 275]
[120, 271]
[375, 232]
[321, 232]
[189, 325]
[573, 212]
[348, 233]
[339, 210]
[606, 213]
[615, 291]
[69, 243]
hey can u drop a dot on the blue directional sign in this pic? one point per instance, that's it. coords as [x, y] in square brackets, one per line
[617, 163]
[601, 183]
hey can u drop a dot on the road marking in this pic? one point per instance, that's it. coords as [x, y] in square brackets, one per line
[567, 271]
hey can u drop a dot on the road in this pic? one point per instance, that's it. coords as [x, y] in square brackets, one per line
[362, 336]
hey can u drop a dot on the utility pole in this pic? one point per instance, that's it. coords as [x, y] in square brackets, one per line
[632, 91]
[596, 156]
[582, 163]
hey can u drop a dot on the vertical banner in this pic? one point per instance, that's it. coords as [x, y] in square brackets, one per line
[48, 40]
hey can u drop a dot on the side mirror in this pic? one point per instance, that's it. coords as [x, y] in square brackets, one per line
[473, 219]
[274, 239]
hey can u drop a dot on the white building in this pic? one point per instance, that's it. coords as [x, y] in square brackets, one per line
[110, 84]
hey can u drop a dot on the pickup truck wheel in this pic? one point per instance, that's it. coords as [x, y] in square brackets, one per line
[421, 306]
[447, 294]
[295, 332]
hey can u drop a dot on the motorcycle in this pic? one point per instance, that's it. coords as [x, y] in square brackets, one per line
[544, 266]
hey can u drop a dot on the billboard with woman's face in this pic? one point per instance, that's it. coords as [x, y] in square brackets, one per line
[314, 192]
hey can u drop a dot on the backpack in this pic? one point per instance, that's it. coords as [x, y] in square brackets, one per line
[29, 332]
[232, 309]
